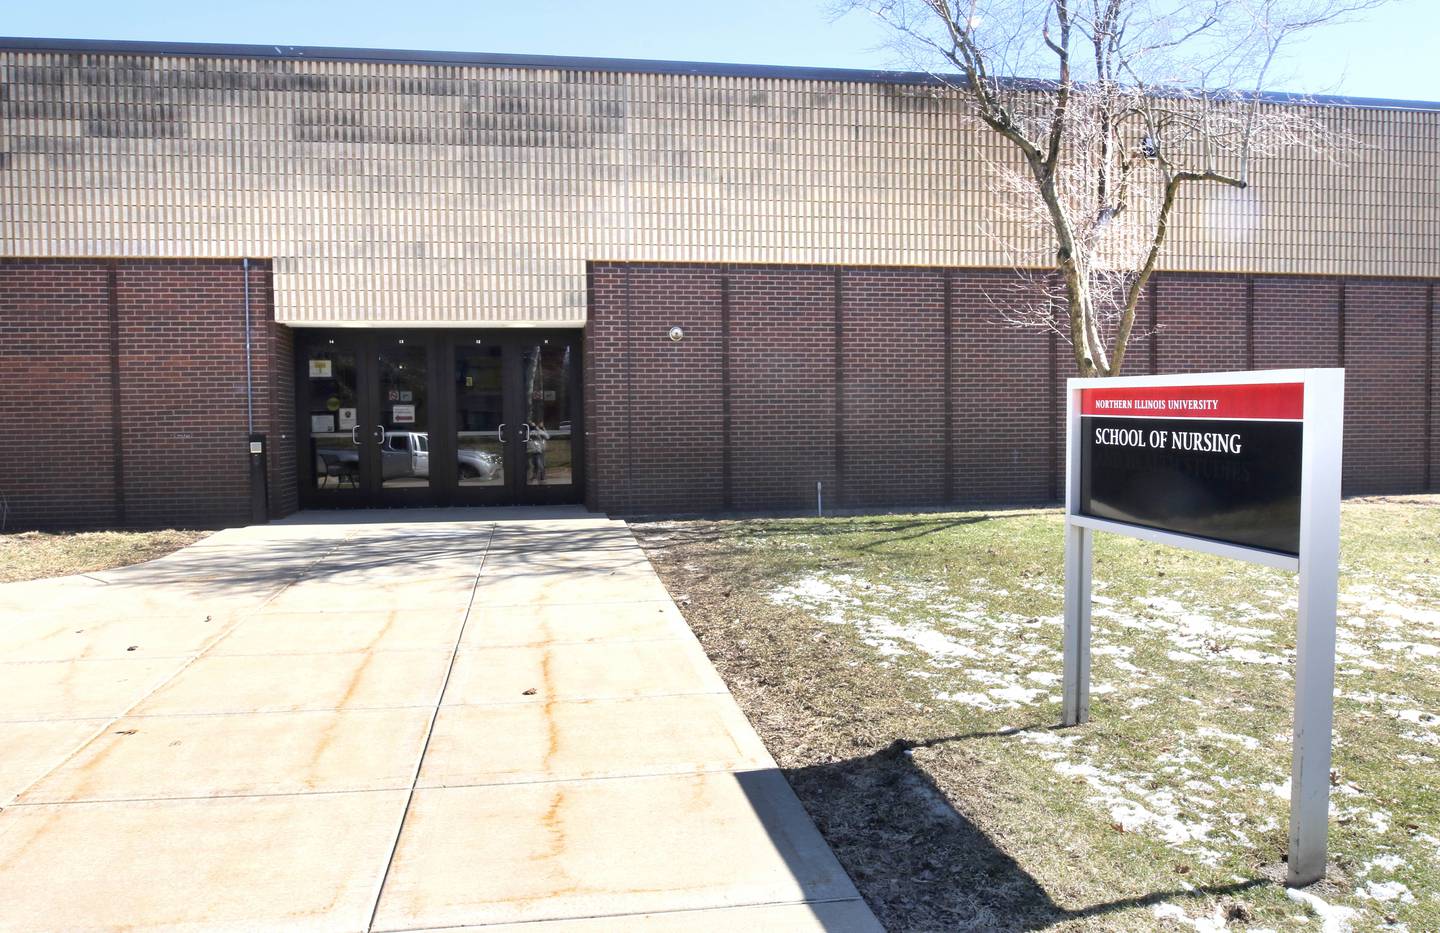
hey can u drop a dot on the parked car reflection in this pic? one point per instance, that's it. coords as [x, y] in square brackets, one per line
[404, 453]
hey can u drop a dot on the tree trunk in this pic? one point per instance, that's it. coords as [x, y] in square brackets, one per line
[1081, 322]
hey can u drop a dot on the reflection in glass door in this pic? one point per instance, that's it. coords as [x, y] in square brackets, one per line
[330, 396]
[480, 414]
[423, 418]
[545, 434]
[403, 431]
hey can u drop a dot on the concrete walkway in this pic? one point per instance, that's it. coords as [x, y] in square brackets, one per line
[365, 721]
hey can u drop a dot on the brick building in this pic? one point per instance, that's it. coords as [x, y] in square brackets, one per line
[401, 268]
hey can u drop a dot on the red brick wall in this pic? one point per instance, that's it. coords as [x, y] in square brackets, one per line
[674, 429]
[1298, 326]
[1005, 420]
[782, 385]
[893, 377]
[179, 345]
[1201, 323]
[55, 394]
[1006, 386]
[831, 375]
[1385, 404]
[1432, 366]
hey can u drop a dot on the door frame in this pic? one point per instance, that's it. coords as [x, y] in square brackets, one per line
[443, 488]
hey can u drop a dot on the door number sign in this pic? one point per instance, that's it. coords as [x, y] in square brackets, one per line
[1242, 465]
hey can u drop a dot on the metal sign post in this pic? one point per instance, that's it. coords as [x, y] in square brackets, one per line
[1241, 465]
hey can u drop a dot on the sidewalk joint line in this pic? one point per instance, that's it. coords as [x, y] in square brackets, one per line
[429, 732]
[753, 905]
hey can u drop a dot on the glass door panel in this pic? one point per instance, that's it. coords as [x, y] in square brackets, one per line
[395, 418]
[403, 432]
[545, 434]
[332, 405]
[480, 414]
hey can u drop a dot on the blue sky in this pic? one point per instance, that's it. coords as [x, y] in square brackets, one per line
[1391, 54]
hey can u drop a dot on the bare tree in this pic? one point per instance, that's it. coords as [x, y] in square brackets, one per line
[1112, 107]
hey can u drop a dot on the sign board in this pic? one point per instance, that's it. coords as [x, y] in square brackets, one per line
[320, 369]
[403, 414]
[1243, 465]
[322, 424]
[1214, 461]
[347, 419]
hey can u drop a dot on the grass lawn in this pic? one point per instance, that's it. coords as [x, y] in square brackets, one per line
[30, 555]
[904, 671]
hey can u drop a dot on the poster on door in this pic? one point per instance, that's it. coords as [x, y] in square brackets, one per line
[347, 419]
[403, 414]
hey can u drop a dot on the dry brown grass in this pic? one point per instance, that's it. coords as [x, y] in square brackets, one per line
[953, 813]
[31, 555]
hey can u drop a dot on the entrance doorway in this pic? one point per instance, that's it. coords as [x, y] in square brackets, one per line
[427, 418]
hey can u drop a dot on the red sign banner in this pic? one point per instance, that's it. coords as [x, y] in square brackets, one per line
[1271, 401]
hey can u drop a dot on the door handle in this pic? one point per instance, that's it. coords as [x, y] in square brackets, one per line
[500, 433]
[380, 434]
[355, 435]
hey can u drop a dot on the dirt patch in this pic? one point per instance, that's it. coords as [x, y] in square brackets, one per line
[31, 555]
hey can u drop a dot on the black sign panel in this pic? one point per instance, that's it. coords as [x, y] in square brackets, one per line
[1234, 481]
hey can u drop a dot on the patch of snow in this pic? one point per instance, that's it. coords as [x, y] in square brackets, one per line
[1017, 694]
[977, 700]
[881, 632]
[1279, 790]
[1384, 863]
[1385, 891]
[1251, 656]
[1415, 648]
[811, 589]
[1156, 813]
[1344, 647]
[1048, 738]
[1369, 601]
[1244, 741]
[1333, 917]
[1212, 924]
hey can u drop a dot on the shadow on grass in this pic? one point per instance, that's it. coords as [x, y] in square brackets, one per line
[922, 865]
[877, 534]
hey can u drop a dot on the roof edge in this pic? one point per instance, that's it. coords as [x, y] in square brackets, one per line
[581, 63]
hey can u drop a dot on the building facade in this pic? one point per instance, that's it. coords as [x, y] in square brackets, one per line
[431, 278]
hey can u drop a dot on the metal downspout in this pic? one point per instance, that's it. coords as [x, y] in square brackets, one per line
[249, 373]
